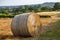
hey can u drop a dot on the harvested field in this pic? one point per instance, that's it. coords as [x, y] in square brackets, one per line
[48, 13]
[5, 31]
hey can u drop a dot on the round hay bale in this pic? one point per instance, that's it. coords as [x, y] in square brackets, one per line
[26, 25]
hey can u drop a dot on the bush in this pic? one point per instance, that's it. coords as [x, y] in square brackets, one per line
[6, 16]
[45, 16]
[57, 6]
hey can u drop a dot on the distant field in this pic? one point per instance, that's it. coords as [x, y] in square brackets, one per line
[49, 13]
[50, 29]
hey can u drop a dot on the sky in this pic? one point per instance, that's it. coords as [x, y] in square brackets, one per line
[24, 2]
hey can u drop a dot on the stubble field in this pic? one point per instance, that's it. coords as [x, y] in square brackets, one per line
[5, 30]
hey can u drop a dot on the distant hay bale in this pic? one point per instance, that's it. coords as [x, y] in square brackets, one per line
[26, 25]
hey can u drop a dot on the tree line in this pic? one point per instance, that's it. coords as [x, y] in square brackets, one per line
[30, 8]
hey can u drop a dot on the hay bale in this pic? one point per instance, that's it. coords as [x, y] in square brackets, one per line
[26, 25]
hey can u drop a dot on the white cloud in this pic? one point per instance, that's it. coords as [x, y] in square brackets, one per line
[23, 2]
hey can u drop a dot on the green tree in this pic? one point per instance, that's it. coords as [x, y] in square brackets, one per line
[0, 11]
[22, 9]
[31, 9]
[57, 6]
[5, 11]
[15, 11]
[37, 8]
[46, 8]
[27, 8]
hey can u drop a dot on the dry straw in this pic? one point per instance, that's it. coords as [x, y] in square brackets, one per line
[27, 24]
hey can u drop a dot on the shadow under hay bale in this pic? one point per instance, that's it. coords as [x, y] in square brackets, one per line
[26, 25]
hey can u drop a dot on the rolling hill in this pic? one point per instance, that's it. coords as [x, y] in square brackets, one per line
[50, 4]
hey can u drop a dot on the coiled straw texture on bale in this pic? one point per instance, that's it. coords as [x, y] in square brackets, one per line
[26, 25]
